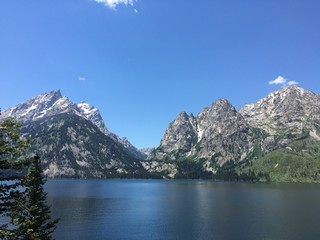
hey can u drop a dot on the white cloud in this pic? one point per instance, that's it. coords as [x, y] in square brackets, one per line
[135, 10]
[114, 3]
[292, 83]
[283, 81]
[278, 80]
[81, 78]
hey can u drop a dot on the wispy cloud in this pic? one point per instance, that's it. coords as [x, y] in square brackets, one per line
[114, 3]
[292, 83]
[81, 78]
[283, 81]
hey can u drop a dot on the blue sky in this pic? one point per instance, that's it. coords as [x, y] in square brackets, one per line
[142, 62]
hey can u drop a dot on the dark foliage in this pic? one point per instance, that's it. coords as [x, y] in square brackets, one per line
[31, 213]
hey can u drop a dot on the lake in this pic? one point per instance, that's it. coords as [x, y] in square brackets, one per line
[183, 209]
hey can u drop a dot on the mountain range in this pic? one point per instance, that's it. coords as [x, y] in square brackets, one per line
[275, 139]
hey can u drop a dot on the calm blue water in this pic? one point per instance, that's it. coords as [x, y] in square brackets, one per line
[186, 209]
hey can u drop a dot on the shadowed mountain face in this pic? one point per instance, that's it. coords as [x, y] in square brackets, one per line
[72, 146]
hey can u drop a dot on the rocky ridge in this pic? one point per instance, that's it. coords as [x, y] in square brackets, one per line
[290, 109]
[221, 136]
[53, 103]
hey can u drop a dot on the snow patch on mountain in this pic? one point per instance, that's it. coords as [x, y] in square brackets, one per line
[92, 114]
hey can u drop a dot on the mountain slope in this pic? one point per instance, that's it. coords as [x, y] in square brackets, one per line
[72, 146]
[93, 114]
[298, 162]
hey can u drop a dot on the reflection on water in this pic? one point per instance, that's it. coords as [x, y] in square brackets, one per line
[188, 209]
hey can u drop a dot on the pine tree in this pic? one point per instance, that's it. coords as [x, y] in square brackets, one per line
[32, 215]
[11, 171]
[23, 210]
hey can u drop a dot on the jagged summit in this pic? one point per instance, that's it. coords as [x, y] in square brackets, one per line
[177, 137]
[288, 108]
[93, 114]
[53, 103]
[213, 130]
[222, 102]
[277, 97]
[43, 105]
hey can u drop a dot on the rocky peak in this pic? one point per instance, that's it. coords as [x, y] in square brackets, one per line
[218, 132]
[273, 102]
[221, 108]
[92, 114]
[289, 108]
[222, 132]
[222, 104]
[220, 113]
[183, 116]
[43, 105]
[53, 103]
[178, 138]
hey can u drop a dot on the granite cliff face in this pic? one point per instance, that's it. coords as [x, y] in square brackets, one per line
[179, 138]
[218, 133]
[223, 133]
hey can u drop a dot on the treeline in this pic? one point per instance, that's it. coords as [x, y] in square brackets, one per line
[230, 171]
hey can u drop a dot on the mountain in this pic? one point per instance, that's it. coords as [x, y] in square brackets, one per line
[288, 110]
[178, 138]
[290, 150]
[52, 103]
[44, 105]
[72, 146]
[73, 139]
[218, 133]
[245, 144]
